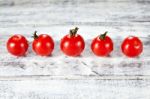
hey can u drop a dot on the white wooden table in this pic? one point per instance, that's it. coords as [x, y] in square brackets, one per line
[85, 77]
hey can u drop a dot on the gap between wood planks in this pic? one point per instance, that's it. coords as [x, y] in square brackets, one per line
[49, 77]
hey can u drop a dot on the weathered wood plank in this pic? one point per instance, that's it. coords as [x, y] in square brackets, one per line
[88, 77]
[119, 16]
[75, 89]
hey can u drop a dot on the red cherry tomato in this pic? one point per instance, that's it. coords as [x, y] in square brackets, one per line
[102, 45]
[72, 44]
[17, 45]
[43, 44]
[132, 46]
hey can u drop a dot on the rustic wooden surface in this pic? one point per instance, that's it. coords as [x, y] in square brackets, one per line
[85, 77]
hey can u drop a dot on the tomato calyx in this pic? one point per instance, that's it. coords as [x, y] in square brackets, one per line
[102, 36]
[74, 31]
[35, 36]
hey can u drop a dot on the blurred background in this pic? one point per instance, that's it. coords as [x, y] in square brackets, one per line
[119, 17]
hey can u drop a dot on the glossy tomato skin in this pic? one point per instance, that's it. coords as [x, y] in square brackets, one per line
[17, 45]
[132, 46]
[72, 45]
[102, 47]
[43, 45]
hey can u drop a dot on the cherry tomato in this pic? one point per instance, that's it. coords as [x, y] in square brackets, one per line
[43, 44]
[102, 45]
[17, 45]
[72, 44]
[132, 46]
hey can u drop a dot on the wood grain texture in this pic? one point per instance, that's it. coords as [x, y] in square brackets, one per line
[75, 89]
[87, 77]
[120, 16]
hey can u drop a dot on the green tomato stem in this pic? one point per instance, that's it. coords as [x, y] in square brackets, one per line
[73, 32]
[35, 36]
[102, 36]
